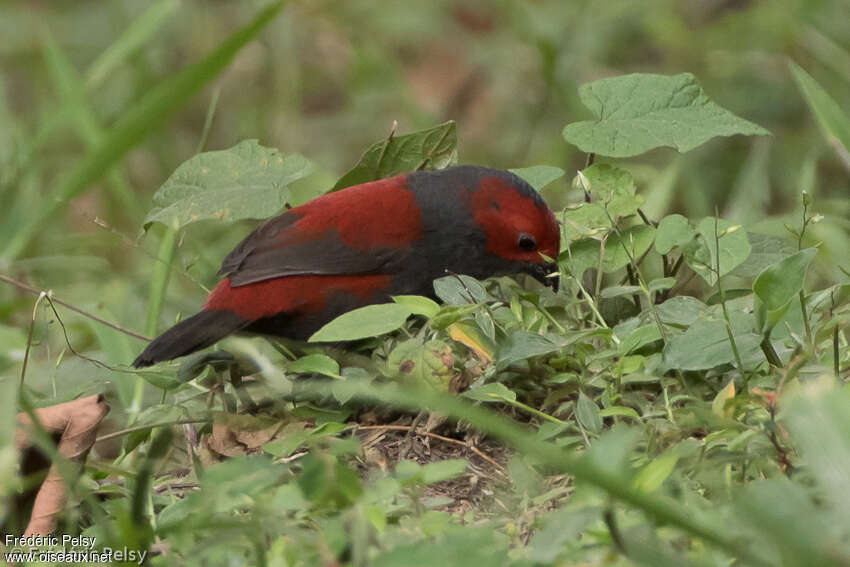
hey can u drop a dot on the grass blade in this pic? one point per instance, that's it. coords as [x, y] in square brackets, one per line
[146, 116]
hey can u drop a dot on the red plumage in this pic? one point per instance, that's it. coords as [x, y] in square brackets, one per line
[360, 245]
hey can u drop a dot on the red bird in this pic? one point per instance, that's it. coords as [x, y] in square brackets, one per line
[361, 245]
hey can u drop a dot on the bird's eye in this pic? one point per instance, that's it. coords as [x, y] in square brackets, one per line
[527, 242]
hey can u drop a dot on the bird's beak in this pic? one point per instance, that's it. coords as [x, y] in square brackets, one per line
[546, 273]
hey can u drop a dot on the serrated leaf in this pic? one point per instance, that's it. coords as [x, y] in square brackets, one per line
[434, 148]
[245, 181]
[539, 176]
[369, 321]
[639, 112]
[673, 230]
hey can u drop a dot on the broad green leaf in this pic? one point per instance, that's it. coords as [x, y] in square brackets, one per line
[777, 285]
[764, 251]
[539, 176]
[640, 337]
[418, 304]
[831, 118]
[245, 181]
[587, 413]
[425, 363]
[706, 343]
[522, 345]
[492, 392]
[673, 230]
[434, 148]
[619, 411]
[701, 253]
[653, 475]
[639, 112]
[364, 322]
[460, 290]
[315, 364]
[144, 116]
[681, 311]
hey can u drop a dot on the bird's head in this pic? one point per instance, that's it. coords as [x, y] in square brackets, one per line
[521, 229]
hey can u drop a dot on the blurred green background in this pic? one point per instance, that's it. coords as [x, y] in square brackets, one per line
[326, 79]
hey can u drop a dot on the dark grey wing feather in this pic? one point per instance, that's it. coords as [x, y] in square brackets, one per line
[265, 254]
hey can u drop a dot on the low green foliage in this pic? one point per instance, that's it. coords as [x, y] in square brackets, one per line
[681, 400]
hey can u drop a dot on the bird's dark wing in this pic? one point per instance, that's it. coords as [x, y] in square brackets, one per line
[360, 230]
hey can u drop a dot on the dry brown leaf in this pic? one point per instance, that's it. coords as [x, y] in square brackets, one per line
[76, 422]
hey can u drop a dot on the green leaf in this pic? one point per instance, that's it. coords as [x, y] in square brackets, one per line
[585, 253]
[460, 290]
[653, 475]
[492, 392]
[539, 176]
[245, 181]
[315, 364]
[587, 413]
[522, 345]
[639, 112]
[434, 148]
[764, 251]
[613, 190]
[619, 291]
[364, 322]
[145, 116]
[673, 230]
[706, 343]
[701, 253]
[660, 284]
[831, 118]
[418, 304]
[429, 363]
[777, 285]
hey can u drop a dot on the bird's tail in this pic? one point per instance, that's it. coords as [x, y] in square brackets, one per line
[197, 332]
